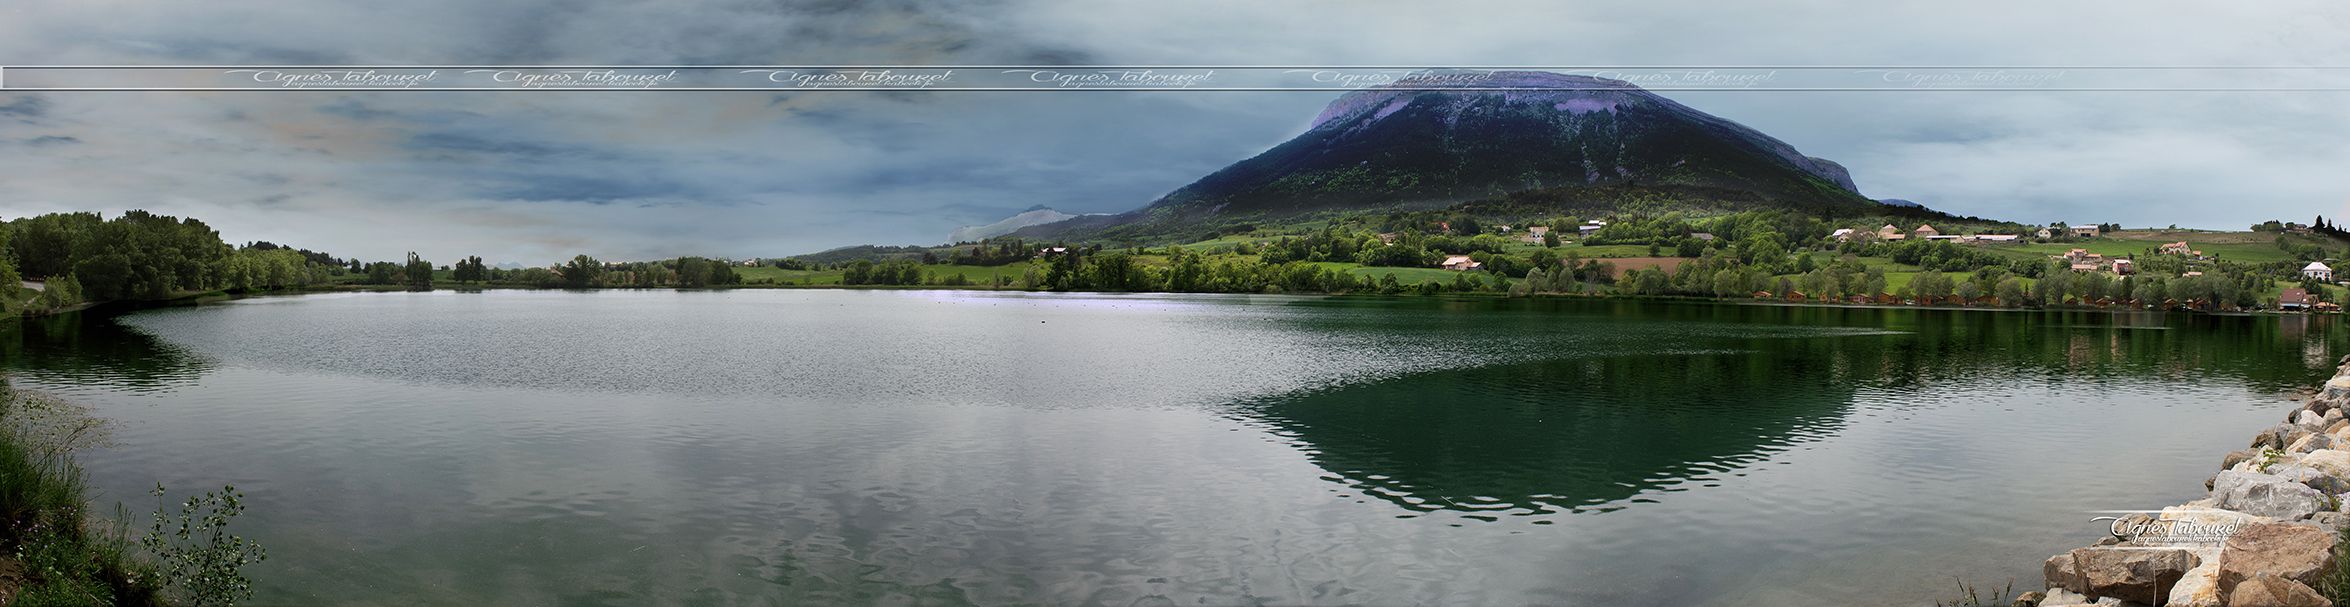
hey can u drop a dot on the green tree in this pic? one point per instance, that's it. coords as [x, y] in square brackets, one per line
[418, 272]
[581, 272]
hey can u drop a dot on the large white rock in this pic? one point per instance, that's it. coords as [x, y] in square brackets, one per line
[2267, 495]
[2198, 588]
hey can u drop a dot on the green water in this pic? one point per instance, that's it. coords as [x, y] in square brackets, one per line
[931, 447]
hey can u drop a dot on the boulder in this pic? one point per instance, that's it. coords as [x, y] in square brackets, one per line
[2331, 461]
[2060, 574]
[2309, 418]
[2130, 574]
[2059, 597]
[2332, 522]
[2266, 590]
[2267, 495]
[2295, 552]
[2314, 442]
[2279, 436]
[2336, 427]
[2028, 599]
[2306, 474]
[2337, 388]
[2333, 415]
[2199, 587]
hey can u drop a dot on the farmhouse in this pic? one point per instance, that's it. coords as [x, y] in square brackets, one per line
[1842, 234]
[2123, 267]
[2318, 270]
[2175, 248]
[1588, 227]
[2086, 231]
[1890, 233]
[1926, 231]
[1461, 263]
[1534, 234]
[2293, 299]
[2043, 234]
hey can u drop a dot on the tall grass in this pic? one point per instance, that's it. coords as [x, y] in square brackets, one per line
[65, 555]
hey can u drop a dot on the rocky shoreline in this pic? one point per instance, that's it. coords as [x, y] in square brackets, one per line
[2269, 533]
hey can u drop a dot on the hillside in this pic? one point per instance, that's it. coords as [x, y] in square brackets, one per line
[1419, 145]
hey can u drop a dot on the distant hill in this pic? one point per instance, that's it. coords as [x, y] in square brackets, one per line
[1424, 145]
[1036, 215]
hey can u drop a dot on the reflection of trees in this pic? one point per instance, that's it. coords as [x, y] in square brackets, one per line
[1584, 430]
[91, 348]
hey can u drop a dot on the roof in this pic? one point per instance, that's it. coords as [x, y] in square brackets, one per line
[1926, 228]
[2316, 266]
[1457, 259]
[2293, 296]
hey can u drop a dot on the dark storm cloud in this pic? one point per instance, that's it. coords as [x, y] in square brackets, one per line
[541, 176]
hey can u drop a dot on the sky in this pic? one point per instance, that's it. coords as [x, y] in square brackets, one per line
[536, 177]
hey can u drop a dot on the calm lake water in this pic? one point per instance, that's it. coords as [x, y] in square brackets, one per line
[939, 447]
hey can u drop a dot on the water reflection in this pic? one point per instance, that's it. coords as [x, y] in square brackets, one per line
[91, 350]
[1593, 429]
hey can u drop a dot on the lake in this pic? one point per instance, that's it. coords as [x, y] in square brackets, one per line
[787, 447]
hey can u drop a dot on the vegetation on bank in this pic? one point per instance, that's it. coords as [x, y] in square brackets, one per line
[1516, 249]
[55, 551]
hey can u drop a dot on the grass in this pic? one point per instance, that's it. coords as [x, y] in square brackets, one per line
[1969, 597]
[2231, 248]
[64, 555]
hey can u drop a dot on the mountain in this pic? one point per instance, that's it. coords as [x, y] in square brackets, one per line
[1433, 143]
[1896, 202]
[1036, 215]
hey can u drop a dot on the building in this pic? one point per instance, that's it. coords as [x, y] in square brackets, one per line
[2176, 248]
[1461, 263]
[2293, 299]
[2044, 234]
[2124, 267]
[1704, 236]
[2319, 271]
[1588, 227]
[1998, 238]
[1890, 233]
[1534, 234]
[2086, 231]
[1842, 234]
[1926, 231]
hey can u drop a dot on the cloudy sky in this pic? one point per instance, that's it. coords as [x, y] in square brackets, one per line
[533, 177]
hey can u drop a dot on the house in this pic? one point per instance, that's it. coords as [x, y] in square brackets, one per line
[1387, 237]
[2319, 271]
[1534, 234]
[1588, 227]
[2190, 275]
[2175, 248]
[2293, 299]
[2086, 231]
[1461, 263]
[1890, 233]
[1052, 251]
[1926, 231]
[1842, 234]
[2043, 234]
[2123, 267]
[2084, 267]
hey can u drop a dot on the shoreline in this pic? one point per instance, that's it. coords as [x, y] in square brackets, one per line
[2273, 529]
[218, 296]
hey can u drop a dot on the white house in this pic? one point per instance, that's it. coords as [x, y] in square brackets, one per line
[2319, 271]
[1461, 263]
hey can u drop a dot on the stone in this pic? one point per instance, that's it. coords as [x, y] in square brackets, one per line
[2294, 552]
[2199, 587]
[2028, 599]
[2236, 457]
[2336, 427]
[2279, 436]
[2314, 442]
[2333, 415]
[2130, 574]
[2266, 590]
[2332, 522]
[2059, 597]
[2268, 495]
[2337, 388]
[2060, 574]
[2331, 461]
[2309, 418]
[2311, 476]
